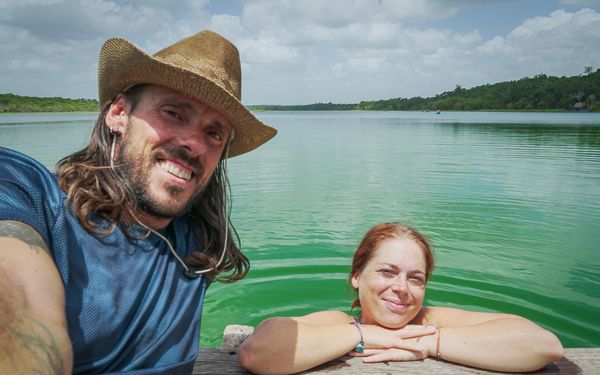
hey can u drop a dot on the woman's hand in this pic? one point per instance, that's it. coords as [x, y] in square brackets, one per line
[382, 344]
[391, 354]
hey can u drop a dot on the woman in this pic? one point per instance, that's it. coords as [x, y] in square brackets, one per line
[389, 271]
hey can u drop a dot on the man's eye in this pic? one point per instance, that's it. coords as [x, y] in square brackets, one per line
[173, 114]
[216, 135]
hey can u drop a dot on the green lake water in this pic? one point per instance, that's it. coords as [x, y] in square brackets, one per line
[510, 202]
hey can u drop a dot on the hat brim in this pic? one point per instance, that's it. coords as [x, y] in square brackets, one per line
[123, 65]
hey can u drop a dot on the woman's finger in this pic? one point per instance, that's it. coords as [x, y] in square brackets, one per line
[366, 352]
[415, 331]
[396, 355]
[407, 345]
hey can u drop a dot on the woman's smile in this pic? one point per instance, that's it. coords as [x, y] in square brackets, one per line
[396, 306]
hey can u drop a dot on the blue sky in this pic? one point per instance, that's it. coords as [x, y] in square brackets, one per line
[308, 51]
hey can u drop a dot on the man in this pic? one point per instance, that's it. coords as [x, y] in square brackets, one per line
[104, 267]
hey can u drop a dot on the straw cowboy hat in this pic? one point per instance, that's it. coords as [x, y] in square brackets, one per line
[204, 66]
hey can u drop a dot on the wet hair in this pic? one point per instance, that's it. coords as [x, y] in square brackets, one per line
[379, 233]
[102, 199]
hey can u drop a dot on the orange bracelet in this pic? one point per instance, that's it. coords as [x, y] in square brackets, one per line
[437, 344]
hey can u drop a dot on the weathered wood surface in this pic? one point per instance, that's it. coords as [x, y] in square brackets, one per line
[235, 334]
[216, 361]
[224, 360]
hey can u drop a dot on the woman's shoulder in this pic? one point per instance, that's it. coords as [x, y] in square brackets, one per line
[326, 317]
[453, 317]
[434, 315]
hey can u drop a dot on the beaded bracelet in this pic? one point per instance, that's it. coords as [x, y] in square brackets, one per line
[360, 347]
[437, 344]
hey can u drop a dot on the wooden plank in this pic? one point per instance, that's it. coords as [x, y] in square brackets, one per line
[224, 361]
[213, 361]
[235, 334]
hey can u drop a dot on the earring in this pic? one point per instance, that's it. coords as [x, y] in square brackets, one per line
[114, 134]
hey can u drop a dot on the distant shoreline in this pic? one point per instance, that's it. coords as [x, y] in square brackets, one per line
[415, 110]
[542, 93]
[258, 110]
[48, 112]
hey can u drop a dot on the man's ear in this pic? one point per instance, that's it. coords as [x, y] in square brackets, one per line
[116, 117]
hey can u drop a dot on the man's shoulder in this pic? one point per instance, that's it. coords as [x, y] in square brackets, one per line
[25, 181]
[9, 153]
[16, 165]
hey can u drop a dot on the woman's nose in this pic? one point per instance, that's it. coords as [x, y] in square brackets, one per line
[400, 284]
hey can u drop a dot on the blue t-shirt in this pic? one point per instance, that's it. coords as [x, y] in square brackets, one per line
[129, 307]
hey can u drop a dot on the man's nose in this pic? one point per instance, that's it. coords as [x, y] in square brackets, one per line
[193, 140]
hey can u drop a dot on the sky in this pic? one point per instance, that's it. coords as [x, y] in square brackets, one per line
[308, 51]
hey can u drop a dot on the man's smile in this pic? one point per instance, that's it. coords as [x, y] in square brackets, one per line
[176, 170]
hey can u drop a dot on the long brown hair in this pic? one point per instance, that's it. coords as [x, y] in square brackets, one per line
[102, 200]
[380, 233]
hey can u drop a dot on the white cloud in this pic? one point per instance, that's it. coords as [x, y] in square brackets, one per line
[493, 46]
[561, 43]
[266, 50]
[298, 51]
[537, 25]
[12, 4]
[52, 45]
[376, 60]
[226, 24]
[580, 2]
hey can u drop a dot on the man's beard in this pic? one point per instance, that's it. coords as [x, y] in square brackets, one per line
[150, 206]
[138, 178]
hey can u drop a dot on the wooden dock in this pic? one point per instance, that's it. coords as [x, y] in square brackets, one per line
[215, 361]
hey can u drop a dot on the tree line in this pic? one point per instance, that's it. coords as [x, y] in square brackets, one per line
[16, 103]
[540, 93]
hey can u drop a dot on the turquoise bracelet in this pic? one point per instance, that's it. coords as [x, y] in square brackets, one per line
[360, 347]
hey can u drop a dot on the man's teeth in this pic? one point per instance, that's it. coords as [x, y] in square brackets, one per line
[175, 171]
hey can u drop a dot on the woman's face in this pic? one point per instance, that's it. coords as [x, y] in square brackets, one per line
[391, 287]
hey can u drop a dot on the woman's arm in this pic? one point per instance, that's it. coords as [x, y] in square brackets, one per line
[289, 345]
[500, 342]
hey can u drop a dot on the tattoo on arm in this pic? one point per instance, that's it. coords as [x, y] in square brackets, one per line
[32, 343]
[23, 232]
[42, 347]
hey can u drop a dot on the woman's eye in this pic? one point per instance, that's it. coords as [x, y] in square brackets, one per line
[387, 272]
[416, 280]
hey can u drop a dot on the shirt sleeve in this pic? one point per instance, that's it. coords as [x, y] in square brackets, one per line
[29, 193]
